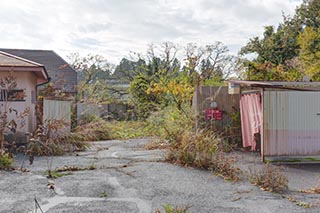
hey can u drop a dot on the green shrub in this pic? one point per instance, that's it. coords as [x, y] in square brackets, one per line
[170, 123]
[5, 160]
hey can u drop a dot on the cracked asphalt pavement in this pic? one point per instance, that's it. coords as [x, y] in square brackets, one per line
[129, 178]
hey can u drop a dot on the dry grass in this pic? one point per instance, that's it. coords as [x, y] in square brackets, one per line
[174, 209]
[106, 130]
[202, 150]
[314, 190]
[94, 131]
[270, 178]
[156, 144]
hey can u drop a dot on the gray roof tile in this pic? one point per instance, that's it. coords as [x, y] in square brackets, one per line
[62, 75]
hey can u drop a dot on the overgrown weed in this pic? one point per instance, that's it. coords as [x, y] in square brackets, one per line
[56, 174]
[269, 178]
[168, 208]
[202, 150]
[52, 139]
[66, 170]
[107, 130]
[6, 160]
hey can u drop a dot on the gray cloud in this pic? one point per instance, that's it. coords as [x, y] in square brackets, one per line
[113, 28]
[94, 27]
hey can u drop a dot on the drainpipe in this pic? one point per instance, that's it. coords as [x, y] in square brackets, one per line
[44, 83]
[38, 85]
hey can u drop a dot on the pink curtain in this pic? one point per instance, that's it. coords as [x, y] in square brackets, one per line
[251, 118]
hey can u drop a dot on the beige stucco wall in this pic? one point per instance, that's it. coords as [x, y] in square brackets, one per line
[26, 81]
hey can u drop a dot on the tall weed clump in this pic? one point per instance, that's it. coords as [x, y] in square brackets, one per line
[202, 149]
[94, 131]
[270, 178]
[188, 146]
[5, 160]
[170, 123]
[52, 138]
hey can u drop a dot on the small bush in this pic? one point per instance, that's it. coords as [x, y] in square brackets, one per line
[127, 129]
[88, 118]
[170, 123]
[202, 150]
[52, 139]
[5, 160]
[94, 131]
[270, 178]
[225, 168]
[106, 130]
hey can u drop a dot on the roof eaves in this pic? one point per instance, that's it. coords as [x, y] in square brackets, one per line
[22, 59]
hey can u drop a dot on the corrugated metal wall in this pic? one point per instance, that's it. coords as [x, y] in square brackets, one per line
[57, 109]
[291, 123]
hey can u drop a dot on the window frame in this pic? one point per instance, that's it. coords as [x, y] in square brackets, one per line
[11, 95]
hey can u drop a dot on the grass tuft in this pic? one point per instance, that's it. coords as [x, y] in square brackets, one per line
[168, 208]
[270, 178]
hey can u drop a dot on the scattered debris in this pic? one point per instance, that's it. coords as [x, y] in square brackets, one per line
[315, 190]
[298, 202]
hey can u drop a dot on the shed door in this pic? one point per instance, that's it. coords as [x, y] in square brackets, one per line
[291, 123]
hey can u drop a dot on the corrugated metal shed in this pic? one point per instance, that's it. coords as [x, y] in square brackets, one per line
[291, 123]
[291, 118]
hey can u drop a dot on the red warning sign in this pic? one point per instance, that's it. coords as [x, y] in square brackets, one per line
[215, 114]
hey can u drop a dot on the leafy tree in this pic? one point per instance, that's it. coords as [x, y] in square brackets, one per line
[279, 53]
[155, 69]
[144, 102]
[93, 72]
[90, 68]
[128, 69]
[175, 92]
[308, 13]
[208, 62]
[309, 41]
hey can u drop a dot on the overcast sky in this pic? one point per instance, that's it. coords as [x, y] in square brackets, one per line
[113, 28]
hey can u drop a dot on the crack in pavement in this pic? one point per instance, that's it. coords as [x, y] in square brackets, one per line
[56, 200]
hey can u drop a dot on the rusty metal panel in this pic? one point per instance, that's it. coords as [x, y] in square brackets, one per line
[57, 109]
[291, 123]
[204, 95]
